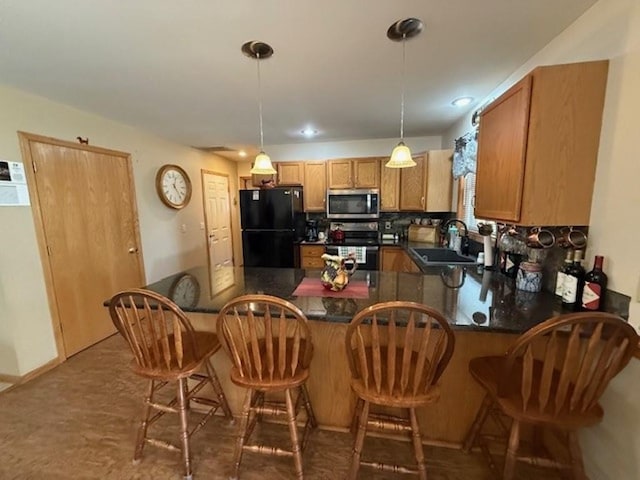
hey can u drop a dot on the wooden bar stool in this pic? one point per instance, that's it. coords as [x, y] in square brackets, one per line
[397, 351]
[269, 342]
[552, 377]
[166, 349]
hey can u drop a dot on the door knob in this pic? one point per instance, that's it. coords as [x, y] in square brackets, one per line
[133, 250]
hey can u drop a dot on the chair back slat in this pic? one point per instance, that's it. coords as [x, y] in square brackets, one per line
[266, 337]
[156, 329]
[527, 376]
[568, 360]
[551, 352]
[391, 351]
[398, 348]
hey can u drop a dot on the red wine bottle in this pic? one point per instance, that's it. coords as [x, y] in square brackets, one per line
[573, 284]
[595, 285]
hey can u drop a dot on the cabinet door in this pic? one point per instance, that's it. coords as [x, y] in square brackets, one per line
[439, 181]
[366, 173]
[315, 186]
[339, 173]
[389, 188]
[502, 140]
[412, 187]
[290, 173]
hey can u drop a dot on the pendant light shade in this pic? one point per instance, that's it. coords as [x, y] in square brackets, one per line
[401, 31]
[259, 50]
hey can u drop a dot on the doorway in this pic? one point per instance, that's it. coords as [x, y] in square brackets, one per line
[217, 215]
[84, 207]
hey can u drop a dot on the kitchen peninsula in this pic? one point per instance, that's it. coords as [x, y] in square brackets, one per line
[485, 310]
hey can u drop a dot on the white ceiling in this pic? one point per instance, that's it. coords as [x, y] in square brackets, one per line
[175, 67]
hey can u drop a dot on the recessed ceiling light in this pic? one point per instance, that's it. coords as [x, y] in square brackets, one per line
[242, 153]
[462, 101]
[309, 132]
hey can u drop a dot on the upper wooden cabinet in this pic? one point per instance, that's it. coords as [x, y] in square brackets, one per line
[538, 146]
[389, 188]
[315, 186]
[354, 173]
[427, 187]
[290, 173]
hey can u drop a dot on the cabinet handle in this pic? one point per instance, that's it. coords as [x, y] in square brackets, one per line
[422, 201]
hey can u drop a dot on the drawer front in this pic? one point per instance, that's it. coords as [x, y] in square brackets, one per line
[311, 250]
[312, 262]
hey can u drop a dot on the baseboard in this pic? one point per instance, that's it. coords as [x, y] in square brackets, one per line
[17, 380]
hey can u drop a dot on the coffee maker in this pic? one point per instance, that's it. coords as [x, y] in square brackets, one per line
[311, 232]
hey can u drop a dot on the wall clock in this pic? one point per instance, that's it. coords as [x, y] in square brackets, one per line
[173, 186]
[185, 291]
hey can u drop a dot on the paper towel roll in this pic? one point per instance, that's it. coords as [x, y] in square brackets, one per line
[488, 251]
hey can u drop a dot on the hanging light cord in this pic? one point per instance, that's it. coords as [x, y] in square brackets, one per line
[260, 103]
[404, 38]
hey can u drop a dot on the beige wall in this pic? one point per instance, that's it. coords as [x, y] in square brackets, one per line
[610, 29]
[26, 338]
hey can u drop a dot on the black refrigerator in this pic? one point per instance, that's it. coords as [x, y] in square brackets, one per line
[273, 221]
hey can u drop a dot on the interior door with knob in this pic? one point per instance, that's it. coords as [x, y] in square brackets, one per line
[217, 210]
[85, 206]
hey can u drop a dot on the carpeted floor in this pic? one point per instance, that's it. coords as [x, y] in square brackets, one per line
[79, 421]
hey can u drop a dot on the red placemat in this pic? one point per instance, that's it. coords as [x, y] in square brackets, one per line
[311, 287]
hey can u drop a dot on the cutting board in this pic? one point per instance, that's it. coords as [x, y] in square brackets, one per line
[423, 233]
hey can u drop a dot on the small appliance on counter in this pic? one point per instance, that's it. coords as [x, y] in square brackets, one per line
[311, 232]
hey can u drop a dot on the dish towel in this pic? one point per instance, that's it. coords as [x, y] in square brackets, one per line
[360, 253]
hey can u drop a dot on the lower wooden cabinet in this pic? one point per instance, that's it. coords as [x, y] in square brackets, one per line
[395, 259]
[310, 256]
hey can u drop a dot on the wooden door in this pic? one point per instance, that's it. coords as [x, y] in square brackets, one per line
[217, 214]
[339, 173]
[389, 188]
[366, 173]
[290, 173]
[412, 187]
[502, 144]
[439, 181]
[315, 186]
[86, 210]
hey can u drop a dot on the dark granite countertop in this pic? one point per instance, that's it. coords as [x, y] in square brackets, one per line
[469, 298]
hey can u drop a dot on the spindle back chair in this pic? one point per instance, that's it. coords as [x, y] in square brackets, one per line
[553, 376]
[397, 352]
[268, 340]
[167, 348]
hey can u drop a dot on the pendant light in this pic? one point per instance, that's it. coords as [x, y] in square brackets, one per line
[260, 50]
[401, 31]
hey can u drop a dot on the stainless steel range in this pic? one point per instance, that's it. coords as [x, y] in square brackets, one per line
[361, 238]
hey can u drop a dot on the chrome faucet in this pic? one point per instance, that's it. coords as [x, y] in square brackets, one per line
[464, 241]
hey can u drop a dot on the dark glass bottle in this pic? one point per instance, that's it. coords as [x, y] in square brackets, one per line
[573, 284]
[595, 285]
[562, 273]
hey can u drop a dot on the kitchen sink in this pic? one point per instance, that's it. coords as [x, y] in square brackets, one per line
[441, 256]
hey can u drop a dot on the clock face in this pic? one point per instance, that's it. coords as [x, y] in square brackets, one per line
[173, 186]
[186, 291]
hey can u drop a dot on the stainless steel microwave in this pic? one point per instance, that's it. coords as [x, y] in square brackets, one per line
[353, 203]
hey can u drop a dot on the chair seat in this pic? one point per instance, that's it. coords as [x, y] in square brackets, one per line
[488, 371]
[399, 396]
[207, 343]
[270, 377]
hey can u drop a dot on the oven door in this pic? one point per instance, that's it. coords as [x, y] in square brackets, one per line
[353, 204]
[367, 261]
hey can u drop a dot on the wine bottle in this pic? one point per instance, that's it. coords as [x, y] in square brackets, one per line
[573, 284]
[595, 285]
[562, 273]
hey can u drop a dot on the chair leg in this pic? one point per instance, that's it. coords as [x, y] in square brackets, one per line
[217, 388]
[184, 428]
[308, 407]
[477, 425]
[144, 423]
[359, 442]
[417, 444]
[293, 431]
[512, 451]
[356, 416]
[577, 467]
[242, 431]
